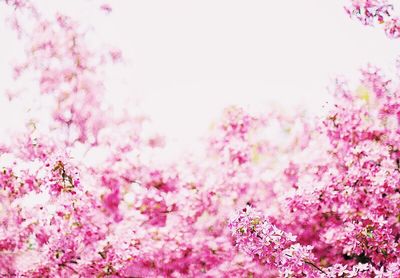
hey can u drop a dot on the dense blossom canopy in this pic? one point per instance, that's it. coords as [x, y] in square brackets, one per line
[268, 194]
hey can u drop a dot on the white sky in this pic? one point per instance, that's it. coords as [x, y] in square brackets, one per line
[188, 59]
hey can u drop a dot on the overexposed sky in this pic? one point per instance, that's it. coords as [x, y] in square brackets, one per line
[186, 60]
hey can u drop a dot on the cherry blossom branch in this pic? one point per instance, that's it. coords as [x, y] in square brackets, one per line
[257, 237]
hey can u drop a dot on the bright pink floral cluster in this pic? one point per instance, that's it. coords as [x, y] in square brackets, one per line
[315, 197]
[256, 236]
[372, 12]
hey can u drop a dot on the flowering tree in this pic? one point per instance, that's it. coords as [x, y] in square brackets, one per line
[314, 198]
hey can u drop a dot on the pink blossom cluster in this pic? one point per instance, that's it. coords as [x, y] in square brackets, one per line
[257, 237]
[372, 12]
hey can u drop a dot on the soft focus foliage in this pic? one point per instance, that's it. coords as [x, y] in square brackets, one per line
[268, 195]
